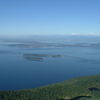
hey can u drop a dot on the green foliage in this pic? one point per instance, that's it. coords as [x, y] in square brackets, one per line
[67, 90]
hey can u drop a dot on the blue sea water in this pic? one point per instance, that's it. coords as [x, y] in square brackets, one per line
[80, 57]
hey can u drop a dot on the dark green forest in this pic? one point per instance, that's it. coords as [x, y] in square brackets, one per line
[83, 88]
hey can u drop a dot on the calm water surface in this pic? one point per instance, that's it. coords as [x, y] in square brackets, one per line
[16, 72]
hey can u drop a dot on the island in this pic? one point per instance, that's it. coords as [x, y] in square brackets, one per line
[40, 57]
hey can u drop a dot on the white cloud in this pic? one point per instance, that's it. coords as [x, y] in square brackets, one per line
[85, 34]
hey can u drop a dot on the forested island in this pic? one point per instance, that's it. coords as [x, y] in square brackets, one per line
[40, 57]
[83, 88]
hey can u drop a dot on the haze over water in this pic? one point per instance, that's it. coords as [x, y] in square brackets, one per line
[41, 61]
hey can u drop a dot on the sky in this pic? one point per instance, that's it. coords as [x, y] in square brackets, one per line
[49, 17]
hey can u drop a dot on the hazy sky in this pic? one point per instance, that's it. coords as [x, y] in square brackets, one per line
[22, 17]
